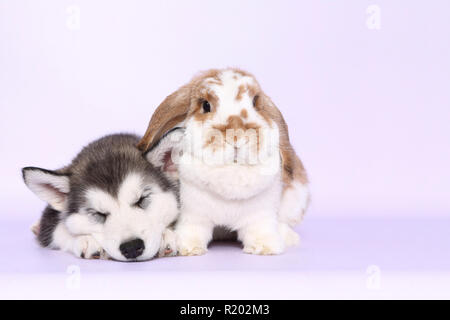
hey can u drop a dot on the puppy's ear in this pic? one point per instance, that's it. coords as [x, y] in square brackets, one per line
[163, 153]
[50, 186]
[169, 114]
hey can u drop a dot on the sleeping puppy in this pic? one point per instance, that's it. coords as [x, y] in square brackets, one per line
[237, 167]
[110, 202]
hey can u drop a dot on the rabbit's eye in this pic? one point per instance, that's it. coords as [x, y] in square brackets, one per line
[206, 106]
[255, 100]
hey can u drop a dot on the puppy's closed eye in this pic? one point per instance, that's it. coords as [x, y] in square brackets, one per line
[98, 216]
[143, 201]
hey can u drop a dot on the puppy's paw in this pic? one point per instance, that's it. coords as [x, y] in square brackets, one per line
[169, 246]
[86, 247]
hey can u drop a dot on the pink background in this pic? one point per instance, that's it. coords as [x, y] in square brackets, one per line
[368, 112]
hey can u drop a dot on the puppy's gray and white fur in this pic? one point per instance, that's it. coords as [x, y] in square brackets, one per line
[110, 202]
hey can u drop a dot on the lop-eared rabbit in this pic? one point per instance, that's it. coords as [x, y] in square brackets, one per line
[237, 168]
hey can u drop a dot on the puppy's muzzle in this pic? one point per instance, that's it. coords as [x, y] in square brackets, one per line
[132, 248]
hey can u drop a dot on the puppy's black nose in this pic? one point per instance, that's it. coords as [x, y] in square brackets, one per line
[132, 249]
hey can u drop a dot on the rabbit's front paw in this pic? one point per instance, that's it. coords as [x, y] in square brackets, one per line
[193, 239]
[263, 244]
[192, 247]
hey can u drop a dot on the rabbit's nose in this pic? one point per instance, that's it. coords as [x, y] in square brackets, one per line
[235, 122]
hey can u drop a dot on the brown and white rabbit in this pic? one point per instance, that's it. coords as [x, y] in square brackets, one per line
[237, 168]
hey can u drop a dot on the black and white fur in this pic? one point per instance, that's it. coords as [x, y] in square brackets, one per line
[110, 202]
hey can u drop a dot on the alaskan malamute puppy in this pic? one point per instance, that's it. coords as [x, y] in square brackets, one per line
[110, 202]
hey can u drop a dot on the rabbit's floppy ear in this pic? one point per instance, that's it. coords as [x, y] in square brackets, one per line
[170, 113]
[292, 166]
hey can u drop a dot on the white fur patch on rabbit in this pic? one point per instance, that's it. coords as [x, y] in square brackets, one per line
[237, 168]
